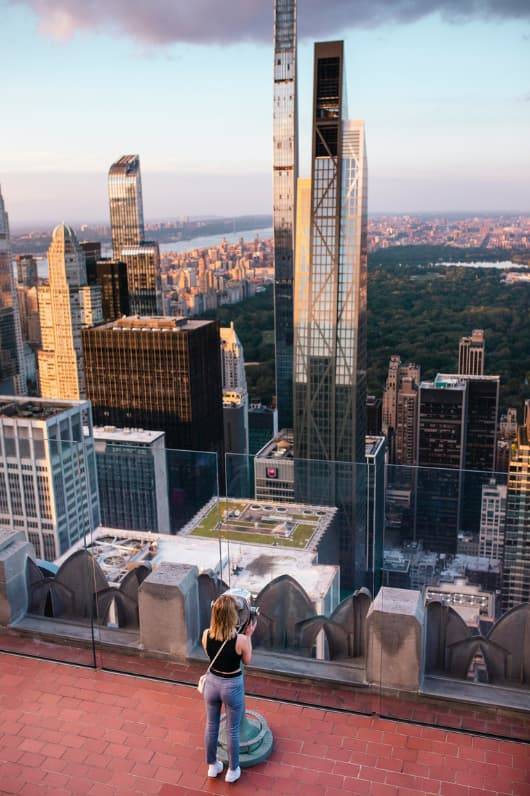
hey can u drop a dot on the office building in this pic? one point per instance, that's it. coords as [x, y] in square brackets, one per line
[27, 274]
[375, 457]
[508, 425]
[492, 520]
[262, 426]
[400, 411]
[162, 374]
[235, 422]
[235, 395]
[28, 307]
[274, 469]
[285, 175]
[330, 308]
[516, 571]
[48, 485]
[232, 360]
[66, 305]
[456, 456]
[126, 204]
[92, 252]
[374, 415]
[143, 278]
[471, 354]
[132, 478]
[12, 371]
[111, 276]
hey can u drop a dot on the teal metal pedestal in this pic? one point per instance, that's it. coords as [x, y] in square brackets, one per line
[255, 740]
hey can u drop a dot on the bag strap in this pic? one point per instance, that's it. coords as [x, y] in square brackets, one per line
[217, 654]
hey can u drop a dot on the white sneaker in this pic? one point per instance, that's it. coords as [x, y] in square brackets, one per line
[215, 768]
[233, 775]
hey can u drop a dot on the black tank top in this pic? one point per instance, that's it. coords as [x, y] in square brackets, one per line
[228, 664]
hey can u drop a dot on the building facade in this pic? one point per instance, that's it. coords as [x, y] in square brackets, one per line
[48, 484]
[162, 374]
[235, 422]
[330, 307]
[126, 203]
[144, 280]
[285, 175]
[132, 479]
[12, 369]
[400, 411]
[66, 305]
[471, 354]
[111, 276]
[492, 520]
[457, 435]
[262, 426]
[27, 274]
[516, 571]
[232, 360]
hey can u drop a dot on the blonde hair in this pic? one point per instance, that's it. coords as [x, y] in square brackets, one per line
[224, 618]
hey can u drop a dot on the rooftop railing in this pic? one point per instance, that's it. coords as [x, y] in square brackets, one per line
[381, 589]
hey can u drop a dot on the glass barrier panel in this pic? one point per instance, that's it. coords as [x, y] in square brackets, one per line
[304, 542]
[454, 658]
[50, 507]
[153, 545]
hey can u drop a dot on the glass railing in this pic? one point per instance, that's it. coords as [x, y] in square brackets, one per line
[388, 589]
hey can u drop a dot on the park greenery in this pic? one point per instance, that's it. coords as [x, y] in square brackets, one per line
[418, 309]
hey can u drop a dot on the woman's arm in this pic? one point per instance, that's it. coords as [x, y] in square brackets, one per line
[244, 643]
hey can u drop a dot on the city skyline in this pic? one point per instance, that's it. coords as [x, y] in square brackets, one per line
[418, 100]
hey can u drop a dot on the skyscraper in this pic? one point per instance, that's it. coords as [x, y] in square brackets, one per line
[400, 410]
[66, 305]
[285, 174]
[111, 276]
[330, 304]
[471, 354]
[132, 479]
[162, 374]
[126, 204]
[27, 270]
[232, 360]
[456, 455]
[12, 368]
[492, 520]
[516, 573]
[49, 487]
[143, 278]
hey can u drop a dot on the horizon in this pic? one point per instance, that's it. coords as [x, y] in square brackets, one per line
[446, 128]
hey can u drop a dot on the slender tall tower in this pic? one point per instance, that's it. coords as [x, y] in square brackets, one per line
[126, 204]
[285, 174]
[330, 305]
[12, 368]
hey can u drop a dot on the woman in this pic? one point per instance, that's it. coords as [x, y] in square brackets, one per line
[226, 648]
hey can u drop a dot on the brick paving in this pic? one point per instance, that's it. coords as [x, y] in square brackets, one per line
[69, 730]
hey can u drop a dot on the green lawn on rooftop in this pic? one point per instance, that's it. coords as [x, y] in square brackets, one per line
[208, 528]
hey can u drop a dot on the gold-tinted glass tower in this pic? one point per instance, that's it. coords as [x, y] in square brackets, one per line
[330, 304]
[126, 204]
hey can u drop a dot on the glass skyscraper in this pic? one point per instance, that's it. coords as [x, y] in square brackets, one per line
[12, 369]
[330, 308]
[126, 204]
[285, 172]
[143, 278]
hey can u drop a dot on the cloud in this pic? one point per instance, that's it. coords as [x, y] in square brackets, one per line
[232, 21]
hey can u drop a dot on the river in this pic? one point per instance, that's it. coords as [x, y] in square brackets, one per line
[203, 242]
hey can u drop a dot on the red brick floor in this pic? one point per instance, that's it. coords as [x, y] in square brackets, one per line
[69, 730]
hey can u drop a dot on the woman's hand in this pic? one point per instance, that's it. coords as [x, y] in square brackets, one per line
[250, 628]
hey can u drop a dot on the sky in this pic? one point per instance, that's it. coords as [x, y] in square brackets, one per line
[443, 86]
